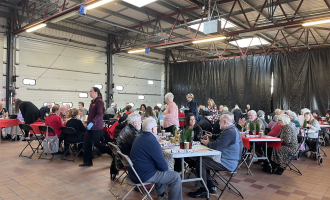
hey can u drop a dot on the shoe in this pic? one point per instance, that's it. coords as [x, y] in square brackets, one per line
[213, 190]
[164, 197]
[85, 164]
[198, 194]
[60, 152]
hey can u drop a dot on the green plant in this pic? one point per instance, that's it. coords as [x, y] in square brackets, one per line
[269, 120]
[315, 117]
[157, 114]
[158, 125]
[186, 135]
[305, 123]
[257, 127]
[251, 126]
[174, 129]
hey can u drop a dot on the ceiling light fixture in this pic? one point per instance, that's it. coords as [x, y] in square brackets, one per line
[97, 4]
[317, 22]
[137, 51]
[139, 3]
[209, 40]
[36, 28]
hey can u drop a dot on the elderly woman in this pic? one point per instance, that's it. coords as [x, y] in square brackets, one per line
[82, 115]
[213, 109]
[170, 114]
[312, 122]
[54, 120]
[289, 141]
[261, 116]
[294, 119]
[191, 106]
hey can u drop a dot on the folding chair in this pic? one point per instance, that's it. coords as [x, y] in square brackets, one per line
[71, 141]
[243, 161]
[43, 129]
[114, 148]
[288, 162]
[26, 127]
[128, 163]
[227, 182]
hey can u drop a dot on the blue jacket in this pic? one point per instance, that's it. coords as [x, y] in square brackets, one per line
[230, 144]
[147, 157]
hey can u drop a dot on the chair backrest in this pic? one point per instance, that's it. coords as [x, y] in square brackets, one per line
[25, 127]
[114, 148]
[300, 139]
[206, 132]
[44, 129]
[68, 130]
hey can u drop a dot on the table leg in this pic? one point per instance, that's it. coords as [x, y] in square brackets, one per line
[252, 152]
[267, 157]
[182, 168]
[201, 176]
[16, 127]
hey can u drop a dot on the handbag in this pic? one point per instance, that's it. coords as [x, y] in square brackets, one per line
[50, 143]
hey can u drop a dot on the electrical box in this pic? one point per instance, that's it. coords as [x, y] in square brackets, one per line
[212, 27]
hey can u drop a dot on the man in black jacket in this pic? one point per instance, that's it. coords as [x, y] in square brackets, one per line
[205, 123]
[45, 110]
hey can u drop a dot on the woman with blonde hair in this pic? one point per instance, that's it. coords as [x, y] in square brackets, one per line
[191, 106]
[312, 122]
[214, 110]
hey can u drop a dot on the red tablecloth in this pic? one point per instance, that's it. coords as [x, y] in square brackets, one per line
[9, 122]
[35, 126]
[274, 144]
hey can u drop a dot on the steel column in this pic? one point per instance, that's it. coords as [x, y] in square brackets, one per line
[9, 62]
[109, 89]
[167, 71]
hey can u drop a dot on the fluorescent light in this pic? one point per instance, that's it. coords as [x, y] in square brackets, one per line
[139, 3]
[159, 104]
[150, 82]
[119, 88]
[246, 42]
[70, 14]
[97, 4]
[137, 51]
[132, 104]
[83, 95]
[317, 22]
[141, 97]
[209, 40]
[100, 86]
[201, 28]
[169, 46]
[35, 28]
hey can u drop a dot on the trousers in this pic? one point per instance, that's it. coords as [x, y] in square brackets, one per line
[93, 136]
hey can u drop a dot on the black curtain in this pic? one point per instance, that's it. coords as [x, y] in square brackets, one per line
[228, 82]
[301, 80]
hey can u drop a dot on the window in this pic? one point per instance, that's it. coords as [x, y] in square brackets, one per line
[119, 88]
[132, 104]
[159, 104]
[150, 82]
[100, 86]
[28, 81]
[68, 103]
[45, 103]
[141, 97]
[83, 95]
[272, 84]
[246, 42]
[201, 28]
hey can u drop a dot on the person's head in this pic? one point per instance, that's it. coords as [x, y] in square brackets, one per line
[221, 107]
[113, 105]
[305, 110]
[201, 107]
[236, 106]
[211, 103]
[64, 109]
[248, 106]
[283, 120]
[134, 120]
[74, 112]
[293, 116]
[261, 114]
[252, 115]
[309, 117]
[190, 97]
[225, 108]
[56, 104]
[327, 114]
[277, 111]
[191, 120]
[225, 121]
[49, 105]
[169, 97]
[56, 110]
[82, 112]
[1, 105]
[315, 113]
[17, 103]
[68, 106]
[148, 112]
[143, 107]
[95, 92]
[129, 108]
[81, 105]
[156, 109]
[207, 114]
[149, 125]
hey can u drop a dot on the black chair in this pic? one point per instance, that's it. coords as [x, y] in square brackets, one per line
[290, 157]
[227, 181]
[71, 138]
[43, 130]
[28, 128]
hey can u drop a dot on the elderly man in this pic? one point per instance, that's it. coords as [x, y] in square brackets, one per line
[128, 134]
[45, 110]
[230, 144]
[220, 109]
[112, 110]
[150, 164]
[252, 119]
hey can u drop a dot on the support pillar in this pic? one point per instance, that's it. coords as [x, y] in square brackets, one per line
[9, 63]
[109, 83]
[167, 71]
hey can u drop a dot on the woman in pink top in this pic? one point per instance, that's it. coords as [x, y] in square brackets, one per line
[170, 114]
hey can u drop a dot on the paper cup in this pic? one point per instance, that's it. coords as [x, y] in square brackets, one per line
[163, 132]
[186, 145]
[261, 134]
[172, 139]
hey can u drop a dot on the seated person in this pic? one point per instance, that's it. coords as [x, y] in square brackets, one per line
[77, 125]
[157, 110]
[289, 141]
[64, 113]
[150, 164]
[112, 110]
[316, 115]
[230, 144]
[148, 113]
[191, 123]
[294, 119]
[252, 119]
[54, 120]
[128, 134]
[82, 115]
[128, 110]
[261, 116]
[44, 111]
[327, 117]
[206, 123]
[301, 118]
[312, 122]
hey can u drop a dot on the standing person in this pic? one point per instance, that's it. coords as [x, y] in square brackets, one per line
[171, 114]
[191, 106]
[248, 108]
[213, 109]
[237, 112]
[29, 112]
[220, 110]
[45, 110]
[94, 127]
[81, 106]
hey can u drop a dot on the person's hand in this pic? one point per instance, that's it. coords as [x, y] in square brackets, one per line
[90, 125]
[241, 121]
[207, 136]
[183, 108]
[308, 125]
[205, 142]
[23, 122]
[186, 108]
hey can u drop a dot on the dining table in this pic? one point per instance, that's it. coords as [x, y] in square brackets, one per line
[4, 123]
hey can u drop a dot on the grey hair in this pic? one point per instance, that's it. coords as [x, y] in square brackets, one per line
[169, 96]
[284, 118]
[252, 112]
[148, 124]
[225, 108]
[294, 115]
[83, 111]
[305, 110]
[133, 117]
[49, 104]
[260, 113]
[227, 112]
